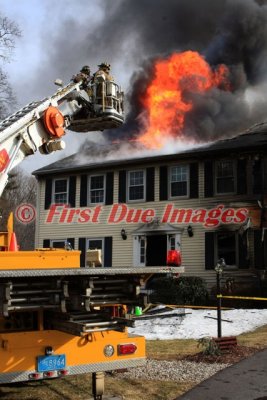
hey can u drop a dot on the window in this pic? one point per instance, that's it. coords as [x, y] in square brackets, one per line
[136, 185]
[95, 244]
[142, 251]
[225, 177]
[60, 190]
[179, 180]
[172, 242]
[96, 189]
[58, 244]
[227, 247]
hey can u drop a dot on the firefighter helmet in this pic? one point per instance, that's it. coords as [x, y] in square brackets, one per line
[104, 65]
[85, 69]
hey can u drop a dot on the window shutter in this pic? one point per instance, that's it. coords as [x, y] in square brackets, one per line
[242, 176]
[193, 180]
[122, 186]
[84, 191]
[257, 177]
[209, 250]
[150, 184]
[108, 252]
[46, 243]
[243, 260]
[258, 249]
[163, 183]
[208, 178]
[82, 248]
[48, 193]
[109, 188]
[72, 191]
[71, 241]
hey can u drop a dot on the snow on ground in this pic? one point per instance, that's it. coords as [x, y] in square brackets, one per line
[196, 324]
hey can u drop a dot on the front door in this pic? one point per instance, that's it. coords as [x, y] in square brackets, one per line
[156, 250]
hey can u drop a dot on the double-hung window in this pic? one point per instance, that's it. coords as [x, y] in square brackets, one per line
[60, 190]
[225, 177]
[136, 185]
[96, 189]
[179, 176]
[227, 247]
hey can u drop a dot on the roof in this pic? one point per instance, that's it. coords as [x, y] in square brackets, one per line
[98, 156]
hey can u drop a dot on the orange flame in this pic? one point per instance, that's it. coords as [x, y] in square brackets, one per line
[164, 99]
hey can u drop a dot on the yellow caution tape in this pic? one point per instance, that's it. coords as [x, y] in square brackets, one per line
[240, 297]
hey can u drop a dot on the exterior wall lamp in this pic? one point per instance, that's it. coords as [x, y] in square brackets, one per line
[123, 234]
[190, 231]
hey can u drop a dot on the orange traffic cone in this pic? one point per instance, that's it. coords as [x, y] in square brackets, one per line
[13, 245]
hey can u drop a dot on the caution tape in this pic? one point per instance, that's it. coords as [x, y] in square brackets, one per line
[220, 296]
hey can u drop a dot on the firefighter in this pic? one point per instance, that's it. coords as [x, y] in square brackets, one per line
[104, 69]
[83, 76]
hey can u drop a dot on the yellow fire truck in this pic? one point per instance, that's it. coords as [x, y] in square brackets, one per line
[56, 318]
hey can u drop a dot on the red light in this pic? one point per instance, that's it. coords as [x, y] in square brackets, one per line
[49, 374]
[174, 258]
[63, 372]
[35, 375]
[128, 348]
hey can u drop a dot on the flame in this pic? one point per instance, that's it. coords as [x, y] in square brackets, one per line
[164, 100]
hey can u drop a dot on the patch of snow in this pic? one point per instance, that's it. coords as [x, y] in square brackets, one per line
[196, 324]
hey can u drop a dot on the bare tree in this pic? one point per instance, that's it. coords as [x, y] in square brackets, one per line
[21, 190]
[9, 32]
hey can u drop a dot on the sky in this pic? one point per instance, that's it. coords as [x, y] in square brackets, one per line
[59, 37]
[50, 47]
[196, 324]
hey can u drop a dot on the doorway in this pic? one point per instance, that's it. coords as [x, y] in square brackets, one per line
[156, 250]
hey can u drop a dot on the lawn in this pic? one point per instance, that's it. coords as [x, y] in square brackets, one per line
[79, 387]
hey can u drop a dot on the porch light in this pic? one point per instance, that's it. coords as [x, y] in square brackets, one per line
[190, 231]
[123, 234]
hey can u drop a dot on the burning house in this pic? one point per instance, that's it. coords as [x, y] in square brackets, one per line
[187, 173]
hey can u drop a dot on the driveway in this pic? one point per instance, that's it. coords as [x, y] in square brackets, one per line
[246, 380]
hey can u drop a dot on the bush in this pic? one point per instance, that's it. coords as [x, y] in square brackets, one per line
[188, 290]
[209, 346]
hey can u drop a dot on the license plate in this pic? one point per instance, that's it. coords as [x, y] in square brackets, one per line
[51, 363]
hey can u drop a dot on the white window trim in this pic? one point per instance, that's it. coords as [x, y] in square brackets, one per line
[53, 191]
[215, 177]
[89, 189]
[128, 186]
[170, 182]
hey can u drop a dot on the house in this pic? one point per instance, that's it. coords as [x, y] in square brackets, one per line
[207, 202]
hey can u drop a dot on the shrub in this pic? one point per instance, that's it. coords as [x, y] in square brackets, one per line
[209, 346]
[189, 290]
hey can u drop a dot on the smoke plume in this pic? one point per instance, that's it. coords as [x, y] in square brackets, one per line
[131, 35]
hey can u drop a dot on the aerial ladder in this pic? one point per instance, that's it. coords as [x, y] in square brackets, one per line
[56, 318]
[40, 126]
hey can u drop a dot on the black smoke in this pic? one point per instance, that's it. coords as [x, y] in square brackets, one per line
[133, 34]
[230, 32]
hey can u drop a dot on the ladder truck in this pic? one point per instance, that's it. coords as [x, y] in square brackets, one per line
[58, 319]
